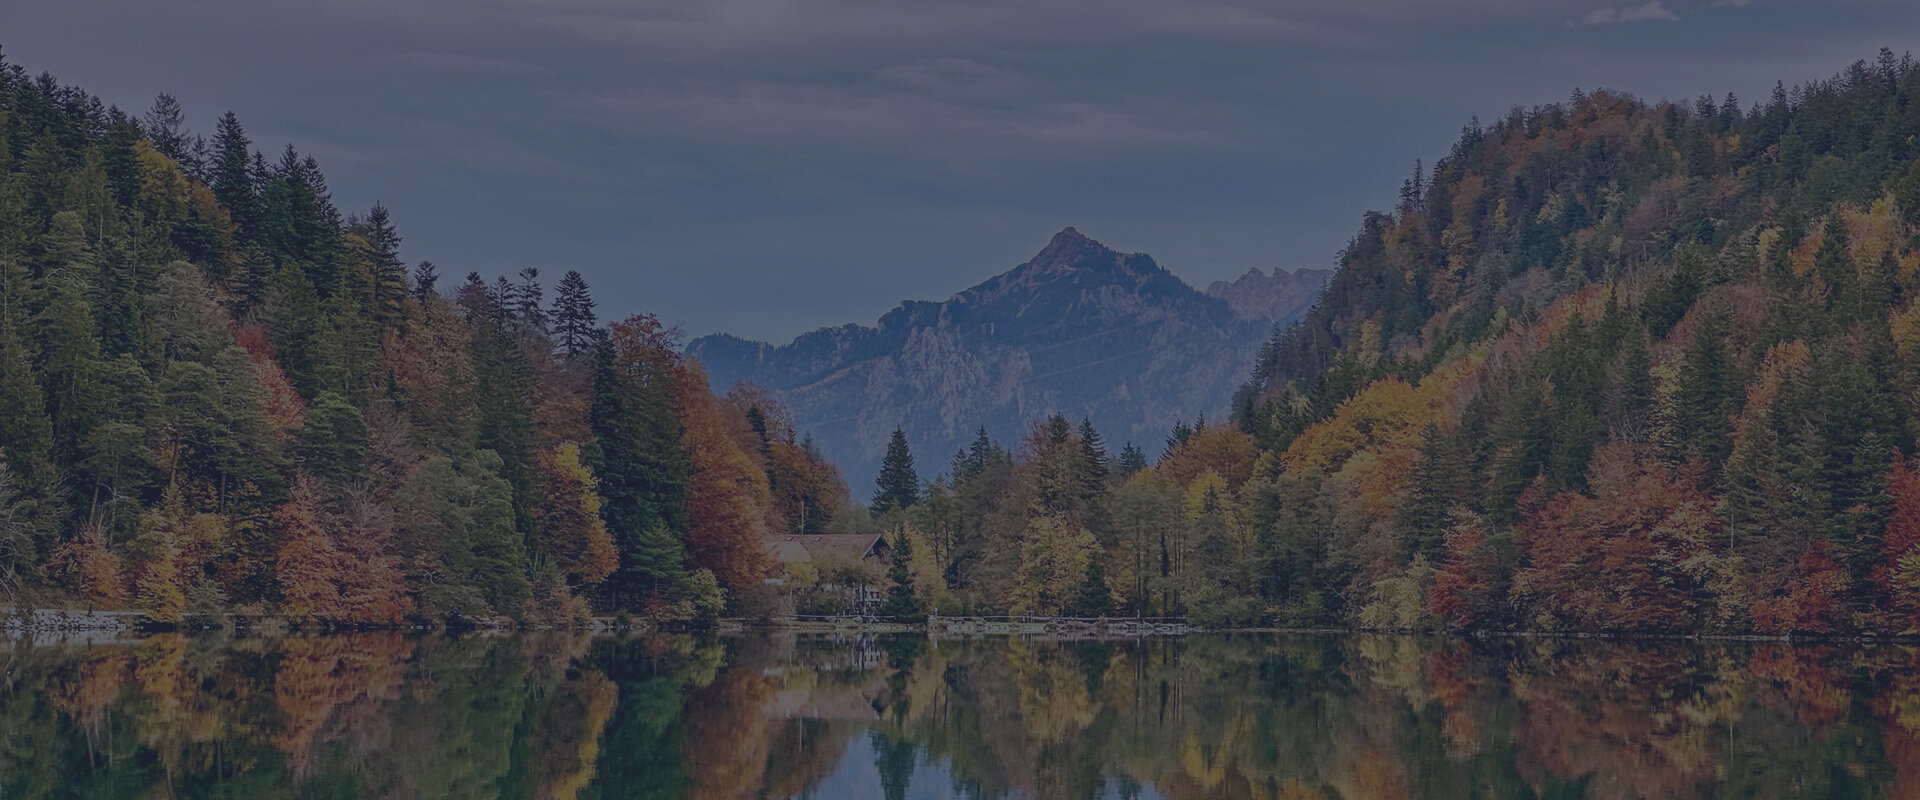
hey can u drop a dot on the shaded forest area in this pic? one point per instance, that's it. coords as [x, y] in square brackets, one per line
[219, 393]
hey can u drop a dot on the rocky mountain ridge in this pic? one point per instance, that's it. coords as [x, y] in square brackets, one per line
[1079, 329]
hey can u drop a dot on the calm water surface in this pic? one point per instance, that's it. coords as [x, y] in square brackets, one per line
[1283, 716]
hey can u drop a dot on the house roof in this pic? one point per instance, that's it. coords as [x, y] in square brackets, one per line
[787, 551]
[815, 547]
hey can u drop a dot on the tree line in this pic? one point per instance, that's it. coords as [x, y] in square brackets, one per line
[219, 393]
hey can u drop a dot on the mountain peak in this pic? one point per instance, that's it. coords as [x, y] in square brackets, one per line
[1068, 247]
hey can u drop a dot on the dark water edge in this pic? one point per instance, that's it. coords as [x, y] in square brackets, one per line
[788, 715]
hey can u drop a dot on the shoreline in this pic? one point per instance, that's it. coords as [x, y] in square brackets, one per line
[56, 625]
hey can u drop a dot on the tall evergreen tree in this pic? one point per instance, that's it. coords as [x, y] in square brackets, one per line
[1440, 482]
[1095, 464]
[426, 281]
[527, 297]
[389, 279]
[1704, 417]
[573, 319]
[902, 602]
[898, 485]
[1132, 460]
[166, 127]
[643, 474]
[232, 173]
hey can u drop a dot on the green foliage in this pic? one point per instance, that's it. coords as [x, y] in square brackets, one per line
[898, 485]
[902, 602]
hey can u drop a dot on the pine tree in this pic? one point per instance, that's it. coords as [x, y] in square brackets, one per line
[969, 463]
[1834, 264]
[26, 435]
[1439, 484]
[233, 177]
[165, 126]
[1094, 461]
[69, 352]
[636, 455]
[1095, 599]
[901, 602]
[426, 281]
[1177, 438]
[389, 273]
[527, 299]
[1132, 460]
[898, 485]
[1861, 431]
[573, 318]
[1704, 421]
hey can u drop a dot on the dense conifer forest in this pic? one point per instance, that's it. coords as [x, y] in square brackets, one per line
[1608, 365]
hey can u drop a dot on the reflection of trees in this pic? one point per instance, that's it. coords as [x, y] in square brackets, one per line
[335, 716]
[564, 716]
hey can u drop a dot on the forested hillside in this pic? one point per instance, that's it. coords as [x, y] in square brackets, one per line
[1608, 365]
[1615, 365]
[219, 393]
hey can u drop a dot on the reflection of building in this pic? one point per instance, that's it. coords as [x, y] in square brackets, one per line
[822, 550]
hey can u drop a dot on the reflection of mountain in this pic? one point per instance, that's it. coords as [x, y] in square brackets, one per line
[1080, 329]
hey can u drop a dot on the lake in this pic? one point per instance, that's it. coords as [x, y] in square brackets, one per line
[884, 717]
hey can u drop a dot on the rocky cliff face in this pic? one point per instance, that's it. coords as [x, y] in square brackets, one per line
[1079, 330]
[1276, 298]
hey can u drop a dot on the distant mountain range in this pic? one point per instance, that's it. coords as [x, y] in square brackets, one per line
[1080, 330]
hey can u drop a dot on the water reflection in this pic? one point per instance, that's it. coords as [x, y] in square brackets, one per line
[568, 716]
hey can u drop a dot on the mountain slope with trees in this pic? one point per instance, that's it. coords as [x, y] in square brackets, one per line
[1609, 365]
[219, 393]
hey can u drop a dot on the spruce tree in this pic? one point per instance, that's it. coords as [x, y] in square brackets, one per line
[1439, 483]
[1096, 599]
[573, 318]
[233, 178]
[165, 127]
[636, 455]
[901, 601]
[1132, 460]
[1704, 423]
[389, 273]
[1094, 462]
[1834, 264]
[26, 435]
[527, 299]
[1862, 427]
[972, 461]
[426, 281]
[898, 485]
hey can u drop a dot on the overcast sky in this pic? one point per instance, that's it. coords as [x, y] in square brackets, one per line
[765, 167]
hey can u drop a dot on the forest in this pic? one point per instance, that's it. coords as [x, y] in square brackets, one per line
[220, 394]
[1608, 365]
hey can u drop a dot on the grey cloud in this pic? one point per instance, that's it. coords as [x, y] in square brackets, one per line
[1652, 11]
[766, 166]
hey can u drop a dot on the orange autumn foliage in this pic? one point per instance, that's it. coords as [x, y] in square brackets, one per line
[1616, 559]
[727, 496]
[1898, 574]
